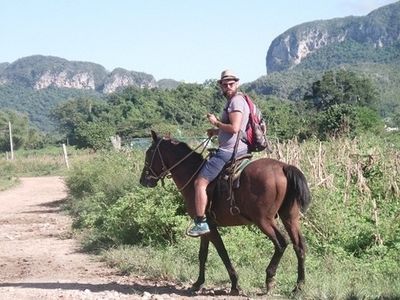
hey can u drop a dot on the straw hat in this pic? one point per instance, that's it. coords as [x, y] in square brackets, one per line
[228, 75]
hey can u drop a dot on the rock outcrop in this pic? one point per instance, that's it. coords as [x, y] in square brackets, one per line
[120, 78]
[42, 72]
[64, 80]
[380, 28]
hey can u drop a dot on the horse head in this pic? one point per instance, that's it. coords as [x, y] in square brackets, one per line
[166, 155]
[153, 165]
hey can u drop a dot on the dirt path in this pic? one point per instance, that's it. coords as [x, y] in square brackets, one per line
[39, 260]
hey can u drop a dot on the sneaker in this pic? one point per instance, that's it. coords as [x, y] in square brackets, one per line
[199, 228]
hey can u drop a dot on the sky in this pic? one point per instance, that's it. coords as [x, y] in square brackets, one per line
[184, 40]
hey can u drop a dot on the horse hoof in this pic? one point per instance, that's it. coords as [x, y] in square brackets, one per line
[234, 292]
[270, 284]
[298, 288]
[196, 287]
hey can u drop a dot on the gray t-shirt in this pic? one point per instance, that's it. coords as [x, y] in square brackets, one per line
[227, 140]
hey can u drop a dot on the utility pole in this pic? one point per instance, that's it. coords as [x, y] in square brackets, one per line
[11, 141]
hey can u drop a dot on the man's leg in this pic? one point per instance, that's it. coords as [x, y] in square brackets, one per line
[200, 188]
[200, 222]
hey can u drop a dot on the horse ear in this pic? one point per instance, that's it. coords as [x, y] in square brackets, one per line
[154, 135]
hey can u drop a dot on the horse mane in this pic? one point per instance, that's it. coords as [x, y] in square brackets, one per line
[182, 149]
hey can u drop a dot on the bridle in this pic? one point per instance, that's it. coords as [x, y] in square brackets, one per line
[165, 171]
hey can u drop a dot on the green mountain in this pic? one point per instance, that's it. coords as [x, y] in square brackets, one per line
[37, 104]
[35, 84]
[324, 44]
[41, 72]
[294, 84]
[369, 46]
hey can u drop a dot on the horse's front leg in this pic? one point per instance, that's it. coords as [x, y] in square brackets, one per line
[216, 239]
[203, 253]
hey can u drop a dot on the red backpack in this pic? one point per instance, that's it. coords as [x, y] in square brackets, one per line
[256, 129]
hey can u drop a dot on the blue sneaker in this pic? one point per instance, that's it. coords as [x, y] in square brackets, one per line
[199, 228]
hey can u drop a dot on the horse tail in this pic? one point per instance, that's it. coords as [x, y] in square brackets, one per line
[297, 188]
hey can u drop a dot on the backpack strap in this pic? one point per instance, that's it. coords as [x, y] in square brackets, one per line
[252, 116]
[249, 103]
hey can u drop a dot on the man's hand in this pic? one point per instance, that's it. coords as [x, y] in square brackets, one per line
[212, 119]
[211, 132]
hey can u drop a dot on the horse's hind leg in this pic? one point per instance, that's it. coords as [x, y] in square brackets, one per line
[271, 230]
[216, 239]
[203, 253]
[292, 225]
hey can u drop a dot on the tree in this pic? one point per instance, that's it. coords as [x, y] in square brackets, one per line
[183, 109]
[344, 103]
[396, 120]
[35, 139]
[20, 129]
[285, 119]
[94, 135]
[73, 113]
[342, 87]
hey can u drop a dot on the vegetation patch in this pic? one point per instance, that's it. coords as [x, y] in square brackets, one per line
[352, 227]
[7, 182]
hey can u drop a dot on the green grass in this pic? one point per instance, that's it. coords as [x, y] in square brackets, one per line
[7, 182]
[44, 162]
[327, 277]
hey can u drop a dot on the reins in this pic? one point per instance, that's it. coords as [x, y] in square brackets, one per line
[166, 170]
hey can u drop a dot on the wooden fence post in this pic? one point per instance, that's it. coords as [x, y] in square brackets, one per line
[65, 155]
[11, 141]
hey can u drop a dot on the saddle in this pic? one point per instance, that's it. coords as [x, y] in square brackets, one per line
[229, 180]
[234, 168]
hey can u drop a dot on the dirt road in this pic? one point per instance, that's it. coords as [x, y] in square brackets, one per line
[40, 260]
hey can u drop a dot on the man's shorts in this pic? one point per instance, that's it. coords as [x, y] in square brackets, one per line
[215, 164]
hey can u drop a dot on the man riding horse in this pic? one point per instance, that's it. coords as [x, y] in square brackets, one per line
[234, 119]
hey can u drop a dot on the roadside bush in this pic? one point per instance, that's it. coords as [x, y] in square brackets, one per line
[111, 173]
[146, 217]
[96, 184]
[105, 198]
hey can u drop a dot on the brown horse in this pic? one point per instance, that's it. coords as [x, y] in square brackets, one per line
[268, 188]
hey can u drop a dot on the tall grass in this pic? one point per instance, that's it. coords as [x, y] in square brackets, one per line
[43, 162]
[7, 182]
[352, 227]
